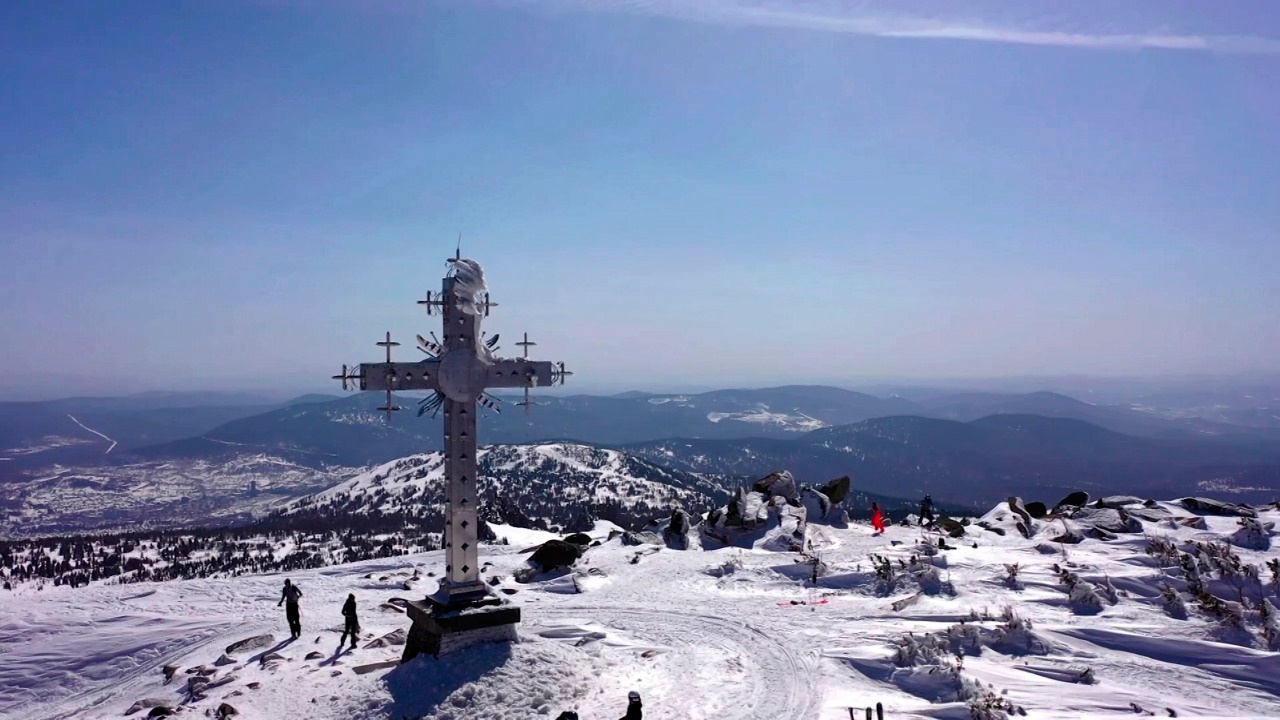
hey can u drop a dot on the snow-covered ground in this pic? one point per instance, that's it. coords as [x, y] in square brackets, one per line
[730, 633]
[762, 415]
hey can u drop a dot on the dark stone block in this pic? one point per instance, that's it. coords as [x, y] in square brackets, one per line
[1078, 498]
[434, 624]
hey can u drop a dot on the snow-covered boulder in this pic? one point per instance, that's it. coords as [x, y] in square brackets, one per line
[1024, 525]
[1117, 501]
[954, 527]
[819, 508]
[754, 519]
[555, 554]
[1253, 535]
[1078, 498]
[1110, 520]
[1209, 506]
[641, 537]
[676, 533]
[777, 484]
[147, 704]
[837, 490]
[1002, 520]
[252, 643]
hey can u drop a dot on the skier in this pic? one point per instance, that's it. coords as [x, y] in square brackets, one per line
[352, 626]
[633, 706]
[926, 510]
[290, 595]
[877, 517]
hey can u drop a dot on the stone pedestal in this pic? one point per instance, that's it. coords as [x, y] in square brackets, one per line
[440, 628]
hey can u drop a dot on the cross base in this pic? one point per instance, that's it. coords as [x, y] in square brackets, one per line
[441, 628]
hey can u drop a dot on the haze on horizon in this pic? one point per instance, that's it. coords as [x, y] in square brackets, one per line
[663, 194]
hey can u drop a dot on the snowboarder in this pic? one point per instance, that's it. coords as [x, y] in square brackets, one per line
[877, 517]
[290, 596]
[352, 626]
[633, 706]
[926, 510]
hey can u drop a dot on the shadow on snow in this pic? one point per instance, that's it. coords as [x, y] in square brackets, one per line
[418, 687]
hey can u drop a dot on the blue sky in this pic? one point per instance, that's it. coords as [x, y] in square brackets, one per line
[663, 194]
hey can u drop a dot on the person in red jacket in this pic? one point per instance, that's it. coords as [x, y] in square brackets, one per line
[877, 517]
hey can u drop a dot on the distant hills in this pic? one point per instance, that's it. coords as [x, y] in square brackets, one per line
[960, 447]
[349, 431]
[81, 430]
[1033, 456]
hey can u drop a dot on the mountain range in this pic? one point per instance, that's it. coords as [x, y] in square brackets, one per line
[160, 457]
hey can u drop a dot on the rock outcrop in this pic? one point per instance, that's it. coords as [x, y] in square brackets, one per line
[1078, 498]
[252, 643]
[820, 508]
[676, 533]
[555, 554]
[1208, 506]
[641, 537]
[837, 490]
[768, 517]
[777, 484]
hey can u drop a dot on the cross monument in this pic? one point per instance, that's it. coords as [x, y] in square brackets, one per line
[459, 369]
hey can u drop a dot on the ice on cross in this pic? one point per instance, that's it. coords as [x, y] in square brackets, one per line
[461, 367]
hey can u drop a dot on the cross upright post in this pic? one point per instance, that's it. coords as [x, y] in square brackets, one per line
[459, 370]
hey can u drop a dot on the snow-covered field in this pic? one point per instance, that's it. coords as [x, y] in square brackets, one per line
[701, 634]
[762, 415]
[62, 498]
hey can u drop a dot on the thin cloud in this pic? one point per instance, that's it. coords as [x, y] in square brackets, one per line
[860, 21]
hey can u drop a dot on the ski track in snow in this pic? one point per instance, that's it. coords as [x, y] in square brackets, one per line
[779, 684]
[95, 432]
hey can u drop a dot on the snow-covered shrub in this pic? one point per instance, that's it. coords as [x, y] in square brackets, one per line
[1230, 616]
[927, 577]
[1274, 566]
[941, 657]
[1252, 535]
[1173, 602]
[883, 568]
[728, 567]
[926, 548]
[1082, 593]
[987, 704]
[1270, 619]
[1163, 550]
[1011, 576]
[1014, 634]
[1108, 591]
[1191, 572]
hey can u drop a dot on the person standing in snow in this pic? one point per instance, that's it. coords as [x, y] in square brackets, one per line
[877, 517]
[289, 598]
[352, 626]
[926, 510]
[633, 706]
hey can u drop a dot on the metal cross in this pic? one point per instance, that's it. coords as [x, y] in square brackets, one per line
[459, 369]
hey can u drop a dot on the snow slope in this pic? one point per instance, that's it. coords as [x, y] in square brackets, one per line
[551, 482]
[156, 493]
[733, 633]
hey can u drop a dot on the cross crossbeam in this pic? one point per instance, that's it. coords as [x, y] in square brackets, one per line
[461, 369]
